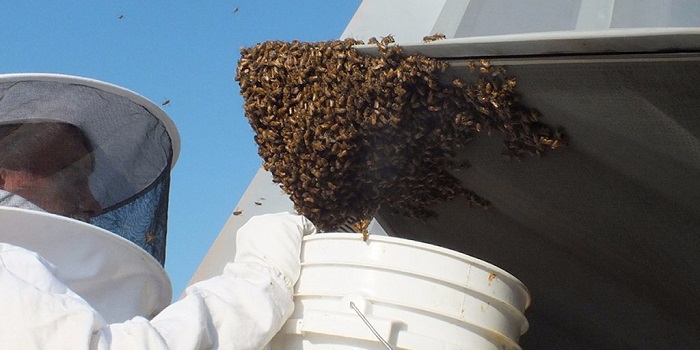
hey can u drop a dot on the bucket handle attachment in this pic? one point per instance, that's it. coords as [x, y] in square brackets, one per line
[369, 325]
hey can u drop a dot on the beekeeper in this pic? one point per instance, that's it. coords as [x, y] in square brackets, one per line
[84, 177]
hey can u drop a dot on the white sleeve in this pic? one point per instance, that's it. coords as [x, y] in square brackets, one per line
[241, 309]
[245, 306]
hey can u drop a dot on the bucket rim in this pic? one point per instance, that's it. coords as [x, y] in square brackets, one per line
[503, 303]
[501, 273]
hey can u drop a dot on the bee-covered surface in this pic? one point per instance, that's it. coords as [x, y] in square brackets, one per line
[346, 134]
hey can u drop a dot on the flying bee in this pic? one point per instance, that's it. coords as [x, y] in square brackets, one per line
[434, 37]
[165, 102]
[458, 83]
[237, 212]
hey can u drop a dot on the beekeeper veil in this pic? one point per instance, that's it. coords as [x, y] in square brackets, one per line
[133, 146]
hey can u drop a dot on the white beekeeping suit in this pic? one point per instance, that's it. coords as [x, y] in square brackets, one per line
[241, 309]
[102, 155]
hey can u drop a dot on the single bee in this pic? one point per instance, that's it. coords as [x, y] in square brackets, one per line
[491, 277]
[388, 39]
[510, 83]
[485, 65]
[361, 227]
[165, 102]
[434, 37]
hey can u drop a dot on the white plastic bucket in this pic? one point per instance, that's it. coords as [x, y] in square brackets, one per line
[414, 295]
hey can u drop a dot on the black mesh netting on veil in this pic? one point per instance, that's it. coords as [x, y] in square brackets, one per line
[131, 149]
[143, 221]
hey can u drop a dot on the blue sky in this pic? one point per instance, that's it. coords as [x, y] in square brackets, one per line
[184, 51]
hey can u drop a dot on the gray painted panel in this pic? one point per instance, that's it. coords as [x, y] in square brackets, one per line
[604, 232]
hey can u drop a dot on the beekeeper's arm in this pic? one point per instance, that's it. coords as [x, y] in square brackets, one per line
[241, 309]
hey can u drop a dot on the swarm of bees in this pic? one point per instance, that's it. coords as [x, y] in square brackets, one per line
[346, 133]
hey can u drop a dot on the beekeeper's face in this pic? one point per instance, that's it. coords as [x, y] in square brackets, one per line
[55, 176]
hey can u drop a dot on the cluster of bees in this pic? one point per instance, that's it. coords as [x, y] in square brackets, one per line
[345, 134]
